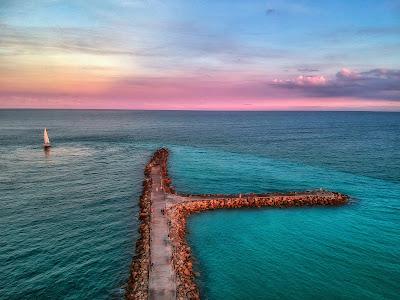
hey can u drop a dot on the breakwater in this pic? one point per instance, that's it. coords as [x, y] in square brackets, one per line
[163, 229]
[138, 283]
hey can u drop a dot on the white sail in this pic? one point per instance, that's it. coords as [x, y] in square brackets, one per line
[46, 137]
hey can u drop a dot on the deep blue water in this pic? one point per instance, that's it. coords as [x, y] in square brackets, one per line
[68, 219]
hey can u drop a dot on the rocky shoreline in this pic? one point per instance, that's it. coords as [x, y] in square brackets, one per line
[177, 213]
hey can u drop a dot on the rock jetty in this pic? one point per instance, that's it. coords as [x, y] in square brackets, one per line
[138, 283]
[174, 212]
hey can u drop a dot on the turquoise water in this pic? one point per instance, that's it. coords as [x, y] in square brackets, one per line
[68, 219]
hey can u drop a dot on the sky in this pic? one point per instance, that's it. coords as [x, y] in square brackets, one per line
[200, 55]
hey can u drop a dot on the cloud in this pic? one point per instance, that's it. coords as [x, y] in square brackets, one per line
[307, 70]
[345, 74]
[372, 84]
[175, 46]
[302, 81]
[34, 40]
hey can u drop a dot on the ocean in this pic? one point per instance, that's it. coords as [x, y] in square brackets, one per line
[68, 218]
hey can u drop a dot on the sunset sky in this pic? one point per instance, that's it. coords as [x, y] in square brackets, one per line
[206, 55]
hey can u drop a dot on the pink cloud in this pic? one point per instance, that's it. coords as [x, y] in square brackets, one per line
[303, 81]
[379, 84]
[346, 73]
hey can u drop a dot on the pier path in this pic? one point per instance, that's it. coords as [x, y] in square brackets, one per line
[162, 283]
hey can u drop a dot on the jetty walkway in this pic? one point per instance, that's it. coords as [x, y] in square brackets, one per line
[163, 266]
[162, 276]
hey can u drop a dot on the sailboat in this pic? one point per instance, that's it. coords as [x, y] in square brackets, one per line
[46, 144]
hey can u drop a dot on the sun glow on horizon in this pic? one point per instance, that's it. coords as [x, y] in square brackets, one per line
[224, 56]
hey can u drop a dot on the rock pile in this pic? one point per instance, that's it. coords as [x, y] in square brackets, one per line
[166, 181]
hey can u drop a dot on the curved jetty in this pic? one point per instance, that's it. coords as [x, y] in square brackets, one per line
[163, 267]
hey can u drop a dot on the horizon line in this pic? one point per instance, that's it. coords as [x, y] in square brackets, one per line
[198, 110]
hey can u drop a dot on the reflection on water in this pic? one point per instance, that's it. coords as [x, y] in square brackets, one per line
[61, 152]
[46, 152]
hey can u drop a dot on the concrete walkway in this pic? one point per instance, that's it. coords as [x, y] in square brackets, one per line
[162, 283]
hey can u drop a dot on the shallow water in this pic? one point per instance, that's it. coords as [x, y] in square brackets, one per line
[68, 219]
